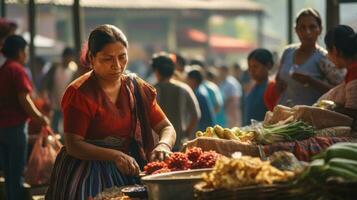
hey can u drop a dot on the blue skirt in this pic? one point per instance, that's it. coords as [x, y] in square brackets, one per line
[75, 179]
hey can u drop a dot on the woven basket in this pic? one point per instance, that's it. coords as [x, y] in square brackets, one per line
[335, 190]
[255, 192]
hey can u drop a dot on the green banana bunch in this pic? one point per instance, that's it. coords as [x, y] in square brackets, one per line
[339, 160]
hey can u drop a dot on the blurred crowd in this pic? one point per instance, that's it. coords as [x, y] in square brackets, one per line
[192, 93]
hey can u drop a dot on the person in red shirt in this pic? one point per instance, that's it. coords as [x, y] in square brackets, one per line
[108, 121]
[16, 106]
[271, 95]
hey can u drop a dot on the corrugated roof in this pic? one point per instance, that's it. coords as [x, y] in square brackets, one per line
[231, 5]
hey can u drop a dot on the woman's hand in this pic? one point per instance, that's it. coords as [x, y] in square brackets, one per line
[301, 77]
[167, 135]
[126, 164]
[160, 153]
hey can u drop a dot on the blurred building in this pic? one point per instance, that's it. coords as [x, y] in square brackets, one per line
[151, 25]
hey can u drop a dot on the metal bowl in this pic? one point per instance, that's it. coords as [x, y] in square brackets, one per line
[173, 185]
[135, 191]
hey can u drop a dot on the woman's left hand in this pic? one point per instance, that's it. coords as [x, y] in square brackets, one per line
[160, 153]
[301, 77]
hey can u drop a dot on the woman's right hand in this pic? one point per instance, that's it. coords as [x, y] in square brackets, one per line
[126, 164]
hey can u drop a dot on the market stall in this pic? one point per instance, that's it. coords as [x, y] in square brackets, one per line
[303, 130]
[273, 159]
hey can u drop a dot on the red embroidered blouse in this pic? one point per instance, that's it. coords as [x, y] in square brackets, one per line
[88, 112]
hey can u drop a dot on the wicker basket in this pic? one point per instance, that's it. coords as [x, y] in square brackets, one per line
[334, 190]
[255, 192]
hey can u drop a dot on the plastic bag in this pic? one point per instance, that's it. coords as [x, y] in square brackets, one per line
[42, 158]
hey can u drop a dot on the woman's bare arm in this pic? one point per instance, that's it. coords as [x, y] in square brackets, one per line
[167, 139]
[30, 108]
[166, 132]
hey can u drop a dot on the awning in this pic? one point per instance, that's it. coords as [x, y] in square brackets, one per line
[227, 5]
[40, 41]
[219, 43]
[44, 45]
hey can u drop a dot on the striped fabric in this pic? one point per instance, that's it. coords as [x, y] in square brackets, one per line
[305, 149]
[74, 179]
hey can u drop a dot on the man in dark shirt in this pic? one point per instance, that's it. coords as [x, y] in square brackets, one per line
[175, 98]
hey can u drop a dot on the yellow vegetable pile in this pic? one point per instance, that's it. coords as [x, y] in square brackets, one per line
[231, 173]
[227, 133]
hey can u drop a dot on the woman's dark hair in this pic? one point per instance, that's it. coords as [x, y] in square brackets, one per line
[12, 46]
[163, 63]
[103, 35]
[344, 39]
[263, 56]
[311, 12]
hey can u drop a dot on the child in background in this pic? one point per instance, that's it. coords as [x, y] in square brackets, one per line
[260, 61]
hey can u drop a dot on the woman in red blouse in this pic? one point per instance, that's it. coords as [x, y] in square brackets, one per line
[108, 121]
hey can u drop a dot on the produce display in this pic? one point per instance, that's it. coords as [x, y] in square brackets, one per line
[178, 161]
[194, 158]
[291, 131]
[263, 133]
[206, 160]
[246, 170]
[226, 133]
[337, 131]
[286, 161]
[339, 161]
[152, 167]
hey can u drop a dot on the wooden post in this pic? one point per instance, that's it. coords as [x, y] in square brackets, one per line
[260, 25]
[208, 57]
[32, 32]
[332, 13]
[171, 38]
[3, 8]
[290, 21]
[77, 31]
